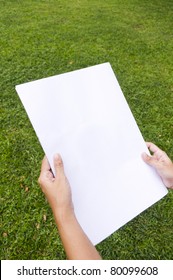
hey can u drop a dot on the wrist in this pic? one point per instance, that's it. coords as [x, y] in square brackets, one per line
[169, 177]
[170, 184]
[63, 215]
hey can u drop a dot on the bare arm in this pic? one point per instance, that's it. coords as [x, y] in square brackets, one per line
[58, 192]
[76, 244]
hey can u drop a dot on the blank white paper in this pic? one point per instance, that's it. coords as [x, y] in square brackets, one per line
[83, 115]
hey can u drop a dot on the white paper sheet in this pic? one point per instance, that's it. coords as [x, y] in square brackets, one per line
[84, 116]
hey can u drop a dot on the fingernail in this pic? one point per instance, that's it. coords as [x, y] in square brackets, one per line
[57, 158]
[144, 156]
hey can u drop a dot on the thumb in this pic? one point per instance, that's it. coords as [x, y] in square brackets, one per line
[58, 164]
[150, 160]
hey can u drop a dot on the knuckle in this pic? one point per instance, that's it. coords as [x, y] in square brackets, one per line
[59, 162]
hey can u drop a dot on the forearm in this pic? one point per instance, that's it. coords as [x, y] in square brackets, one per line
[76, 244]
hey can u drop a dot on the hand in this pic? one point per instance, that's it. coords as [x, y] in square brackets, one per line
[161, 162]
[56, 189]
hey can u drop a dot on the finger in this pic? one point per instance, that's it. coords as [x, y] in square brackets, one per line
[153, 148]
[150, 160]
[158, 153]
[58, 164]
[45, 166]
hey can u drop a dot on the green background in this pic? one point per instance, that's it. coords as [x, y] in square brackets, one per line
[44, 38]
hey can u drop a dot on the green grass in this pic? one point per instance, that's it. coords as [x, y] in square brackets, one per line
[44, 38]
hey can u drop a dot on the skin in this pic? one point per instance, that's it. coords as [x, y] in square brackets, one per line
[161, 162]
[58, 193]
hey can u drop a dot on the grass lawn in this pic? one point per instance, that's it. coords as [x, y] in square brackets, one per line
[44, 38]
